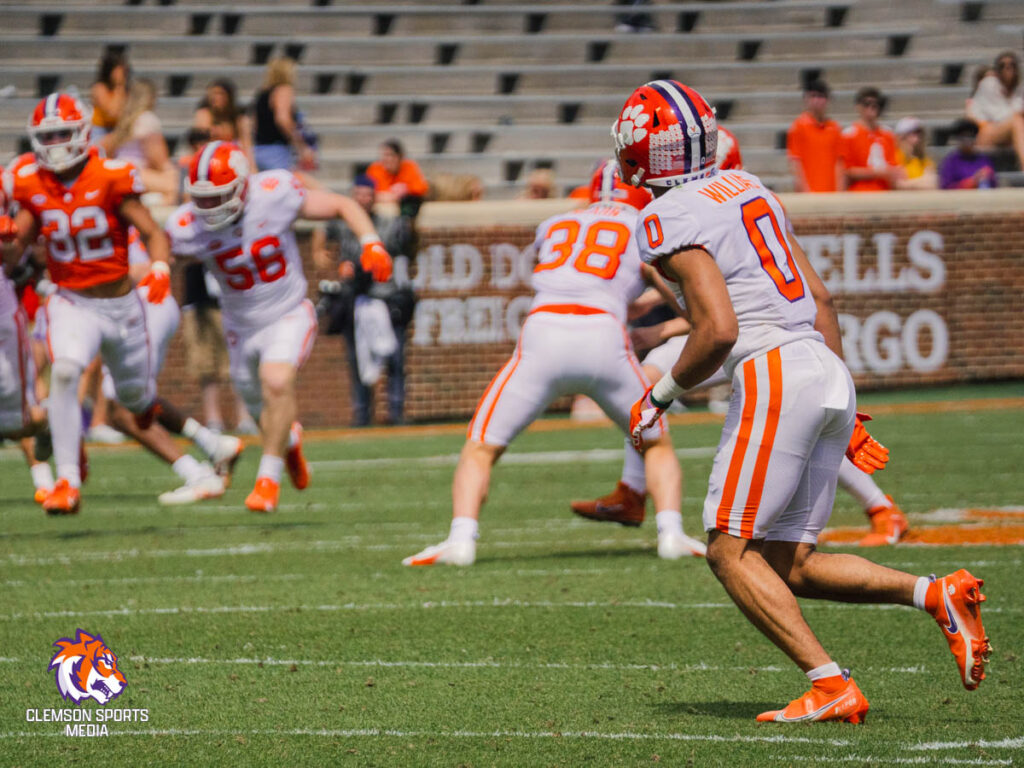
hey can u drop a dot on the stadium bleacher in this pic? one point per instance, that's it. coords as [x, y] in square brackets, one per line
[496, 89]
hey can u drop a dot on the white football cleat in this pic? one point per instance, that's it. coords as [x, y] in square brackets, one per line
[673, 545]
[445, 553]
[209, 486]
[229, 450]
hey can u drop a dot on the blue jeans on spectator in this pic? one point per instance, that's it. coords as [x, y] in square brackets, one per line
[362, 395]
[272, 156]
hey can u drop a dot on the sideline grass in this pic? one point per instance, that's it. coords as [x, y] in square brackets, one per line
[568, 643]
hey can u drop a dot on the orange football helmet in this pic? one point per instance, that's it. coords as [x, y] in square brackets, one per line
[58, 131]
[218, 178]
[607, 186]
[666, 135]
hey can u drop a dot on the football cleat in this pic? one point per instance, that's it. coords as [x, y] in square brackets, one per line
[847, 704]
[888, 525]
[958, 613]
[673, 545]
[63, 499]
[41, 495]
[446, 553]
[295, 462]
[209, 486]
[623, 505]
[264, 495]
[228, 452]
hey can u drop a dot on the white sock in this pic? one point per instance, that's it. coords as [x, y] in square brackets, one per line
[633, 469]
[669, 521]
[825, 670]
[65, 419]
[187, 468]
[920, 590]
[859, 484]
[464, 529]
[270, 467]
[42, 476]
[293, 435]
[204, 438]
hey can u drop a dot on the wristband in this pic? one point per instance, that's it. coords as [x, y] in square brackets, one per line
[373, 237]
[161, 266]
[665, 391]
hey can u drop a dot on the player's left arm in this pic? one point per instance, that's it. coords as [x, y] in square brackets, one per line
[16, 235]
[826, 322]
[653, 279]
[320, 204]
[158, 279]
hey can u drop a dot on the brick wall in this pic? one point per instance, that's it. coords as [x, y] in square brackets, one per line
[925, 297]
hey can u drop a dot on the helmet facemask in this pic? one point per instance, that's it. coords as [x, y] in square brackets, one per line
[218, 206]
[59, 144]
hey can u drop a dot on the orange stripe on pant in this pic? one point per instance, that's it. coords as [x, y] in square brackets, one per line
[739, 450]
[764, 453]
[497, 397]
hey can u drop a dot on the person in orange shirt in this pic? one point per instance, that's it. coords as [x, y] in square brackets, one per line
[868, 150]
[813, 143]
[396, 176]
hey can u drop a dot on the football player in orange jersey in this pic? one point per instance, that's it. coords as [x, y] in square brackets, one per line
[81, 205]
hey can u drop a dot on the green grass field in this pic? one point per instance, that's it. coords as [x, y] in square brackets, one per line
[299, 639]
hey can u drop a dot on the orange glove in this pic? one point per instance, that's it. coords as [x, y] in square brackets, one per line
[158, 281]
[866, 453]
[644, 414]
[376, 261]
[8, 229]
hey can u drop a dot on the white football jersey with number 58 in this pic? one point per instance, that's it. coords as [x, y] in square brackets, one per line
[742, 225]
[255, 260]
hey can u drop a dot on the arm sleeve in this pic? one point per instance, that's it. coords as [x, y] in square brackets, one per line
[180, 229]
[662, 231]
[124, 181]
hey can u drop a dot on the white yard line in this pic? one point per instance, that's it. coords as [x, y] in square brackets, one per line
[870, 760]
[495, 603]
[194, 579]
[1016, 743]
[529, 458]
[378, 732]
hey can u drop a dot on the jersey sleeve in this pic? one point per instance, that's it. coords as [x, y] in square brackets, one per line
[181, 230]
[280, 195]
[124, 181]
[666, 229]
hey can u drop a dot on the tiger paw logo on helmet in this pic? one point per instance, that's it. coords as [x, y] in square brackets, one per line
[86, 669]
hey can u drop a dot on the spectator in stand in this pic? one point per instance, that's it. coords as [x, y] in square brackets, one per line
[220, 115]
[279, 138]
[918, 169]
[363, 303]
[139, 139]
[540, 185]
[813, 143]
[396, 177]
[965, 167]
[109, 93]
[638, 20]
[997, 106]
[868, 150]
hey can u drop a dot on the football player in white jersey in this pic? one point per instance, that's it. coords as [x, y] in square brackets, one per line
[241, 228]
[757, 308]
[573, 341]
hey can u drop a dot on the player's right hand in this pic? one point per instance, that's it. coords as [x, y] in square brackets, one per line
[158, 281]
[643, 415]
[377, 261]
[8, 230]
[866, 453]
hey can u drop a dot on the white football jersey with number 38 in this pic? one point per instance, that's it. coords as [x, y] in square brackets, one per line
[741, 224]
[255, 260]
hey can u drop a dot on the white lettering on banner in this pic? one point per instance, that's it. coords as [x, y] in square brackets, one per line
[837, 259]
[511, 267]
[473, 320]
[882, 343]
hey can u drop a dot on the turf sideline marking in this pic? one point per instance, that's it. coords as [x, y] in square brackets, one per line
[1016, 743]
[670, 667]
[199, 578]
[531, 458]
[377, 732]
[429, 605]
[872, 760]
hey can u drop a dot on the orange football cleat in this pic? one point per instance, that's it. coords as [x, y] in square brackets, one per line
[63, 499]
[42, 494]
[264, 495]
[847, 704]
[295, 462]
[957, 609]
[623, 505]
[888, 525]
